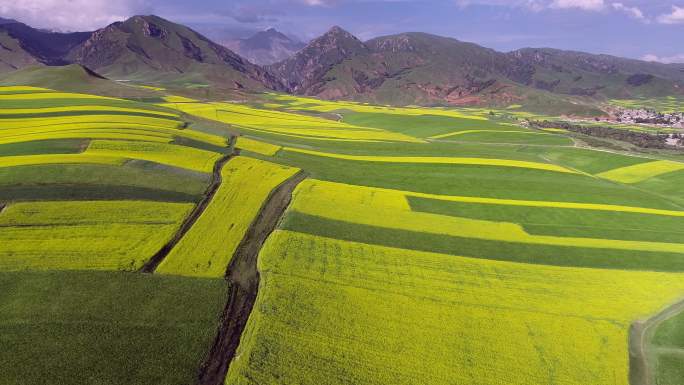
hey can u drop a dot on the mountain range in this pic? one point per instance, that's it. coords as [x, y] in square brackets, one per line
[141, 48]
[407, 68]
[266, 47]
[426, 69]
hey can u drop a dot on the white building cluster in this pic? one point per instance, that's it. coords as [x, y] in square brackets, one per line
[650, 117]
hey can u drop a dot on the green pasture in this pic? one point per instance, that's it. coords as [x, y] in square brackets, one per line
[85, 327]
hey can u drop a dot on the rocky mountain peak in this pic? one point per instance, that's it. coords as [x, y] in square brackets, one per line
[303, 70]
[336, 40]
[266, 47]
[338, 33]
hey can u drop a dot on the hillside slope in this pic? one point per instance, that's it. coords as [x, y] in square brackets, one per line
[419, 68]
[22, 46]
[73, 78]
[149, 47]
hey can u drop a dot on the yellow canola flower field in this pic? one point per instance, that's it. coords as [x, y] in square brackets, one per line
[316, 198]
[178, 99]
[48, 94]
[207, 248]
[336, 304]
[25, 160]
[169, 154]
[288, 124]
[85, 131]
[330, 106]
[437, 160]
[153, 88]
[111, 130]
[464, 132]
[112, 120]
[390, 195]
[22, 89]
[86, 134]
[102, 235]
[641, 172]
[259, 147]
[43, 110]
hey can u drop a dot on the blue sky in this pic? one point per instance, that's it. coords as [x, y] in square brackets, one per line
[652, 29]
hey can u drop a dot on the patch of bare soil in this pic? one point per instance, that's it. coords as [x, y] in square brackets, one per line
[641, 358]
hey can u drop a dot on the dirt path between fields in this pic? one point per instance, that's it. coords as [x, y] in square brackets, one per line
[151, 265]
[243, 277]
[641, 360]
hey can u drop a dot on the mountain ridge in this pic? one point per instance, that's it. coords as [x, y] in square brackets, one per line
[266, 47]
[422, 68]
[404, 68]
[150, 46]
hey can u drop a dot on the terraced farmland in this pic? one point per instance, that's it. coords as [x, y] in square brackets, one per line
[427, 245]
[90, 189]
[528, 261]
[206, 250]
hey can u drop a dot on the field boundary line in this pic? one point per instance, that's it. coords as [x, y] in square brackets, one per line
[242, 275]
[641, 363]
[151, 265]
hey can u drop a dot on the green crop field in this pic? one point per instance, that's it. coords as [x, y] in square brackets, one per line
[425, 246]
[86, 327]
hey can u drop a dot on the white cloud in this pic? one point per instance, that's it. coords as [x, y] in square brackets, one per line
[536, 5]
[70, 15]
[587, 5]
[664, 59]
[634, 12]
[676, 17]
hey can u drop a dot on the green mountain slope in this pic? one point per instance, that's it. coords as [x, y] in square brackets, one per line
[12, 55]
[73, 78]
[151, 48]
[419, 68]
